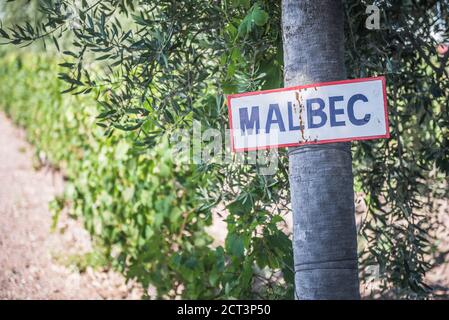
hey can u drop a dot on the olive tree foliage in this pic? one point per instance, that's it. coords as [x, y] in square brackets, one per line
[160, 66]
[399, 175]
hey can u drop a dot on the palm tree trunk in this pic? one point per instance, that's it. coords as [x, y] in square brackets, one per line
[321, 180]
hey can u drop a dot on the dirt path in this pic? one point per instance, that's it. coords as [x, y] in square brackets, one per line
[28, 250]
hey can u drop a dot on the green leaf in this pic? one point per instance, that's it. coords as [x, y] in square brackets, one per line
[255, 16]
[56, 43]
[4, 34]
[240, 206]
[259, 16]
[243, 3]
[234, 245]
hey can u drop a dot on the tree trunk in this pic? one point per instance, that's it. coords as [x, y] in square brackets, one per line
[321, 180]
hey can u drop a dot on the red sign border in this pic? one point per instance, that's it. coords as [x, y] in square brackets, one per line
[320, 84]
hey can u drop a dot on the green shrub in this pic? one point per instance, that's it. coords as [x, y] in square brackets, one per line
[141, 206]
[146, 212]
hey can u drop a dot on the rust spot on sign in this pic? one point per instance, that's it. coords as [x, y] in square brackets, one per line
[301, 108]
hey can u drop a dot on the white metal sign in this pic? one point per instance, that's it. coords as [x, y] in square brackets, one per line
[311, 114]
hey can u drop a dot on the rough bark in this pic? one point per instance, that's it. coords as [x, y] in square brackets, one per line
[321, 180]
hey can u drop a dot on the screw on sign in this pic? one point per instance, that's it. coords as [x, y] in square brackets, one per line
[311, 114]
